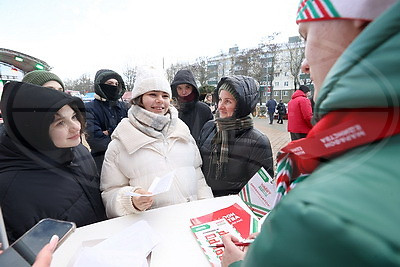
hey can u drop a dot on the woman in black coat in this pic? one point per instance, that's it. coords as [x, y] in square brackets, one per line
[231, 149]
[45, 171]
[193, 112]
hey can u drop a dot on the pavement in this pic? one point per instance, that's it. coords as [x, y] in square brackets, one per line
[276, 133]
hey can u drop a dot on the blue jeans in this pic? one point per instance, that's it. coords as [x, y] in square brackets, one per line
[271, 117]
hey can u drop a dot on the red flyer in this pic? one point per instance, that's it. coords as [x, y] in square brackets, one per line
[245, 223]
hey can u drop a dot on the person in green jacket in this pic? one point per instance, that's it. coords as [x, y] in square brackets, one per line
[338, 188]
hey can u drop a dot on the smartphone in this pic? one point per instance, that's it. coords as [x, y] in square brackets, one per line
[29, 245]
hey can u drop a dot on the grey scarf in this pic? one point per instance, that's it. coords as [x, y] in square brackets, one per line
[153, 124]
[220, 152]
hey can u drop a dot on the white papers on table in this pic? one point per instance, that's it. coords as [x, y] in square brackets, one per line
[158, 186]
[129, 247]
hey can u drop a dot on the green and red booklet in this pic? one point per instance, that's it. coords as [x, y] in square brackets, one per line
[258, 194]
[210, 233]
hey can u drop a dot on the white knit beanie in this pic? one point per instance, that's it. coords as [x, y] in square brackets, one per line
[150, 79]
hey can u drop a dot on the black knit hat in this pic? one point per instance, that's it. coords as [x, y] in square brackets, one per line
[28, 110]
[304, 88]
[40, 77]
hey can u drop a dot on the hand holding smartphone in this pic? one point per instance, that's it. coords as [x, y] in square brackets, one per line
[29, 245]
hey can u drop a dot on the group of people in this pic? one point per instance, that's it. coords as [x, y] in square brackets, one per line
[337, 187]
[46, 171]
[273, 107]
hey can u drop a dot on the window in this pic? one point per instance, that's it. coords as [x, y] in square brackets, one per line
[277, 74]
[285, 93]
[276, 83]
[286, 84]
[276, 93]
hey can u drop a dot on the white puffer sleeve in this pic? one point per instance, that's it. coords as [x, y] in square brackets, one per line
[114, 184]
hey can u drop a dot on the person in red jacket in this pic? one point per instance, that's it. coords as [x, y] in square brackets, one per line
[300, 113]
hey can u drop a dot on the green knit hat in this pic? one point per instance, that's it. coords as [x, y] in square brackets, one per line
[40, 77]
[229, 88]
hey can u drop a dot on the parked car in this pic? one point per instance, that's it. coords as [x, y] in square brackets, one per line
[88, 97]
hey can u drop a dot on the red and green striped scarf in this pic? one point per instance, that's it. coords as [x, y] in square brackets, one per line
[333, 135]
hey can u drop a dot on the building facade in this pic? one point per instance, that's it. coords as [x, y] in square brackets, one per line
[275, 66]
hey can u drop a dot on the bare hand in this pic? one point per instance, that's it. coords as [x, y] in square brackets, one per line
[43, 259]
[253, 235]
[106, 132]
[232, 253]
[142, 203]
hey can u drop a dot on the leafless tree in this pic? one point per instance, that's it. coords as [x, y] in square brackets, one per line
[130, 77]
[271, 50]
[173, 69]
[241, 64]
[83, 84]
[256, 64]
[199, 70]
[296, 56]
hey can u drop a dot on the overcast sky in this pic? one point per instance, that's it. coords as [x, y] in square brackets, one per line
[81, 36]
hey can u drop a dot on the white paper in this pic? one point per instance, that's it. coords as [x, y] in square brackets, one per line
[158, 186]
[129, 247]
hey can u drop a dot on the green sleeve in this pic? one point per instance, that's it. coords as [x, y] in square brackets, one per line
[301, 233]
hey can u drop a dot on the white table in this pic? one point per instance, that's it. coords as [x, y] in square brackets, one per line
[178, 246]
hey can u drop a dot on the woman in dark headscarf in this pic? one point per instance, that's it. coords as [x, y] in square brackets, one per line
[45, 171]
[231, 149]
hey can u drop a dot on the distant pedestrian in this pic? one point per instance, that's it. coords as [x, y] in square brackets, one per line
[271, 107]
[281, 108]
[209, 101]
[300, 113]
[193, 112]
[104, 112]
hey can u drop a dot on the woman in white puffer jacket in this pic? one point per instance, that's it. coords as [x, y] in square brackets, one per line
[150, 143]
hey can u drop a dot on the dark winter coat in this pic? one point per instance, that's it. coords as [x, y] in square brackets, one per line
[37, 179]
[194, 113]
[281, 109]
[104, 114]
[271, 106]
[101, 116]
[249, 149]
